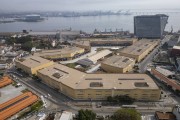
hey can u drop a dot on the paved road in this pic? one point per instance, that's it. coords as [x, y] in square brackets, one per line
[93, 51]
[148, 59]
[93, 69]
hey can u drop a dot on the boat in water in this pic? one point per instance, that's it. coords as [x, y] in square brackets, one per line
[30, 18]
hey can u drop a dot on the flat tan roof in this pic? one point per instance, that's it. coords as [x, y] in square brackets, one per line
[82, 42]
[118, 61]
[66, 50]
[139, 47]
[33, 61]
[79, 80]
[107, 39]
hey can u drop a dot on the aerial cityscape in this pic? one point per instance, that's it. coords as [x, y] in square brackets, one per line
[73, 61]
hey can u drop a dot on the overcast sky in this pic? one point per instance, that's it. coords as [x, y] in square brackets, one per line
[76, 5]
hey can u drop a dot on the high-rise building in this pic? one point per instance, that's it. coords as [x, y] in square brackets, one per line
[150, 26]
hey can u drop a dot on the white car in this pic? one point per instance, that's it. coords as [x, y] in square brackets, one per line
[49, 95]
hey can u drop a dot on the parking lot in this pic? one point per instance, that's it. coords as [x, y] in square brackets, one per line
[10, 92]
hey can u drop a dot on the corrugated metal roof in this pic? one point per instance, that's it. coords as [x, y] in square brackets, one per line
[94, 58]
[163, 71]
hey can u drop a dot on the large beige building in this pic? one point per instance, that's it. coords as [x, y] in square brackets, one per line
[65, 53]
[118, 64]
[107, 41]
[32, 64]
[82, 86]
[139, 50]
[83, 44]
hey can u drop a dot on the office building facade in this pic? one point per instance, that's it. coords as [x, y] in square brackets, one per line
[150, 26]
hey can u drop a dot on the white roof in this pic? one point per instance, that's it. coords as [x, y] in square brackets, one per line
[66, 116]
[176, 47]
[164, 71]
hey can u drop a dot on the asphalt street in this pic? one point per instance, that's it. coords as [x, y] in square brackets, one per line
[143, 64]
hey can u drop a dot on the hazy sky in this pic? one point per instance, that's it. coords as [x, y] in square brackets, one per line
[28, 5]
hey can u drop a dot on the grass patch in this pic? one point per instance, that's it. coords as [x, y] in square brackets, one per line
[14, 83]
[25, 90]
[71, 65]
[37, 105]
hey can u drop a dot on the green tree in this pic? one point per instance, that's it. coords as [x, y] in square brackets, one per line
[110, 99]
[126, 114]
[35, 77]
[121, 99]
[86, 115]
[23, 40]
[10, 41]
[27, 46]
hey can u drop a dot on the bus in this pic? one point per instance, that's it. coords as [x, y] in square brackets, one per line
[129, 106]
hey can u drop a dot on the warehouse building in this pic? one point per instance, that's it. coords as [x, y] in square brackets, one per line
[15, 105]
[83, 44]
[66, 53]
[169, 82]
[112, 42]
[109, 41]
[139, 50]
[93, 59]
[81, 86]
[31, 64]
[150, 26]
[118, 64]
[68, 34]
[4, 81]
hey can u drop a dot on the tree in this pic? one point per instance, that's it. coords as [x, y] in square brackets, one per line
[10, 41]
[86, 115]
[27, 46]
[23, 40]
[121, 99]
[110, 99]
[178, 92]
[35, 77]
[126, 114]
